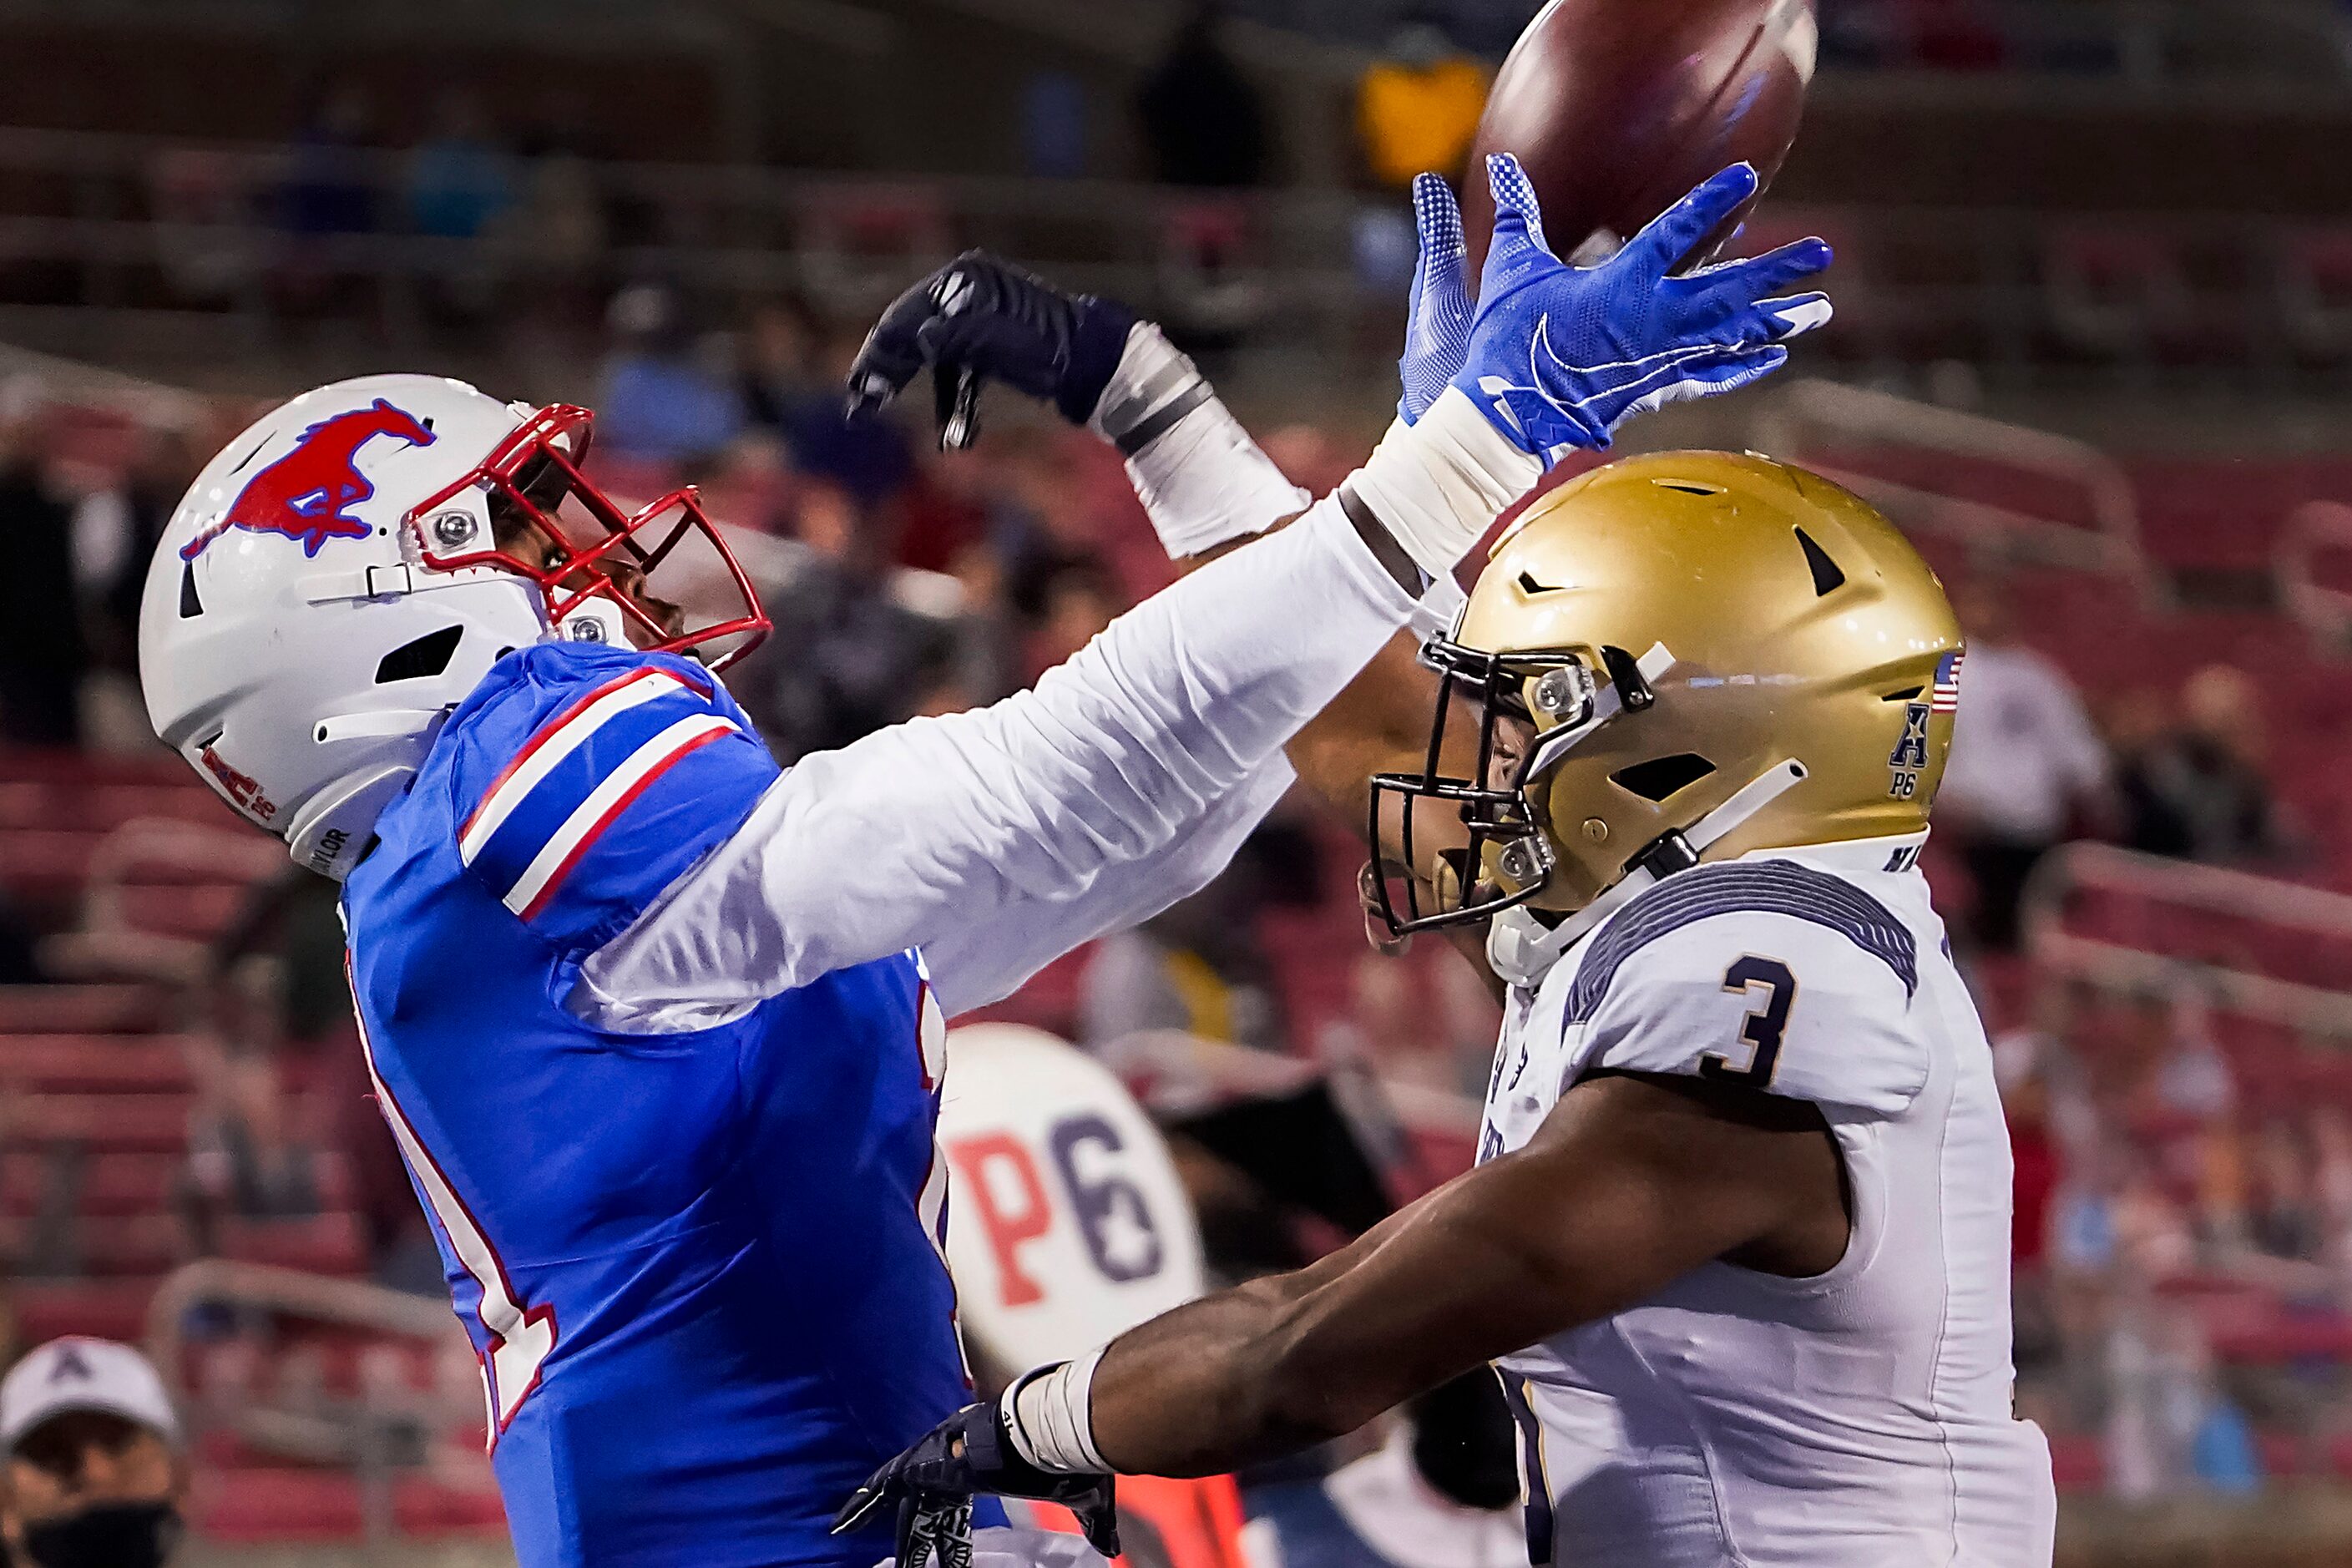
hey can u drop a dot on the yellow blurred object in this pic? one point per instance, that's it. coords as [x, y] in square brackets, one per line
[1416, 119]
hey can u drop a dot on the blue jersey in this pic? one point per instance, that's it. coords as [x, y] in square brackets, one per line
[702, 1270]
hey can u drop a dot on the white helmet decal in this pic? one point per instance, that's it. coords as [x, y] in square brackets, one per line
[308, 493]
[342, 574]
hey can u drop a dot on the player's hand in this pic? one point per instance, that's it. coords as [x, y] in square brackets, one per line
[927, 1491]
[981, 318]
[1559, 355]
[1437, 319]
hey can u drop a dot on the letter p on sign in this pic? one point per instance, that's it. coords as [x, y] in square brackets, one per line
[997, 1177]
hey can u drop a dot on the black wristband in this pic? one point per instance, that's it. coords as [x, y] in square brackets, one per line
[1383, 544]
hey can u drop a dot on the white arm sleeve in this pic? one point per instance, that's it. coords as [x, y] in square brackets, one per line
[996, 840]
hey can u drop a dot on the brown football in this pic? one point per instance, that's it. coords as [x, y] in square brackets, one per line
[1617, 108]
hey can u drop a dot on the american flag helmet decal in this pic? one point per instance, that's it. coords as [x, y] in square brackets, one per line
[1944, 697]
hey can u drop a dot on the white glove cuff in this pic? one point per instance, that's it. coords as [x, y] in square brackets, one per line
[1438, 486]
[1050, 1418]
[1202, 480]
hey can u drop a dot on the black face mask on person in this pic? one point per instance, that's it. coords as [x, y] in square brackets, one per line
[111, 1535]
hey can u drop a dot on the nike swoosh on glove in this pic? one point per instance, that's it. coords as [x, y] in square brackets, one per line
[1559, 355]
[1437, 319]
[931, 1484]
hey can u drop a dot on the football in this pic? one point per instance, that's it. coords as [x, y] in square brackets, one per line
[1616, 110]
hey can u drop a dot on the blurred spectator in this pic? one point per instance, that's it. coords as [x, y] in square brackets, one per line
[460, 179]
[2287, 1221]
[847, 657]
[202, 194]
[659, 401]
[326, 189]
[97, 1470]
[287, 931]
[946, 513]
[800, 371]
[2200, 791]
[1204, 122]
[280, 1003]
[784, 381]
[1187, 970]
[2193, 1078]
[1417, 108]
[115, 530]
[1080, 602]
[246, 1158]
[1054, 125]
[1201, 967]
[1442, 1492]
[988, 663]
[43, 653]
[558, 232]
[1047, 517]
[2024, 762]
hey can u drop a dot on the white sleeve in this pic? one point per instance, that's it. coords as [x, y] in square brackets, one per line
[997, 839]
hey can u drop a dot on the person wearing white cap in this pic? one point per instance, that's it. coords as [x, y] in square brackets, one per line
[96, 1471]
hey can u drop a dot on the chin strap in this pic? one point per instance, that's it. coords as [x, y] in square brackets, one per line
[1521, 949]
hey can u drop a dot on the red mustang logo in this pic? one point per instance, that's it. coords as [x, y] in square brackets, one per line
[308, 494]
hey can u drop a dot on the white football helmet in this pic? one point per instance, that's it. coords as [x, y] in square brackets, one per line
[344, 572]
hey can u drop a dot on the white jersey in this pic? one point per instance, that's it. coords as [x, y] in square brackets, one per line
[1859, 1417]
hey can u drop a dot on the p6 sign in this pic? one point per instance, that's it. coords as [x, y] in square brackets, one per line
[1066, 1222]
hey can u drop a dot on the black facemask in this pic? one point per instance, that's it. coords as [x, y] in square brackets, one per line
[113, 1535]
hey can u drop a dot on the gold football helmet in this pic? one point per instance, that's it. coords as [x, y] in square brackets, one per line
[1704, 654]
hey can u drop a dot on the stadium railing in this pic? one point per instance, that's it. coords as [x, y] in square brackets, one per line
[409, 1403]
[2261, 949]
[2316, 534]
[137, 247]
[1849, 432]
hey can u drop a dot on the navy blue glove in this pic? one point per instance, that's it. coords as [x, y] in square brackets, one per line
[1560, 355]
[1437, 319]
[981, 318]
[931, 1484]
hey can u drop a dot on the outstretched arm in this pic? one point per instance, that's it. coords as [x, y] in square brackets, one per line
[1008, 822]
[986, 837]
[1631, 1183]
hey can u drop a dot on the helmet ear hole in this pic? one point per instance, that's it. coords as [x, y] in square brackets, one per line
[1661, 777]
[428, 654]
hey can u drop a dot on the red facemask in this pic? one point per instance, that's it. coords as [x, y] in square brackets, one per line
[533, 474]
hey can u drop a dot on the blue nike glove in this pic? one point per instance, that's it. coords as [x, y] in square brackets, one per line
[1437, 321]
[978, 319]
[1560, 355]
[926, 1491]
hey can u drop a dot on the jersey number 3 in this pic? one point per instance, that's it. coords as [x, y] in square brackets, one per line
[1762, 1029]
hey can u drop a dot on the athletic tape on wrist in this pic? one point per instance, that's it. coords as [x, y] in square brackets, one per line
[1201, 477]
[1440, 484]
[1050, 1418]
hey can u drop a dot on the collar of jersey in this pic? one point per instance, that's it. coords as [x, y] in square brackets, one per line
[1537, 950]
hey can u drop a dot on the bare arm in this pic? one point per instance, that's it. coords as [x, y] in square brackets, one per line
[1631, 1183]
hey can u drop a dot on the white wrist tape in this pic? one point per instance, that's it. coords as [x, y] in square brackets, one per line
[1051, 1422]
[1438, 486]
[1202, 480]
